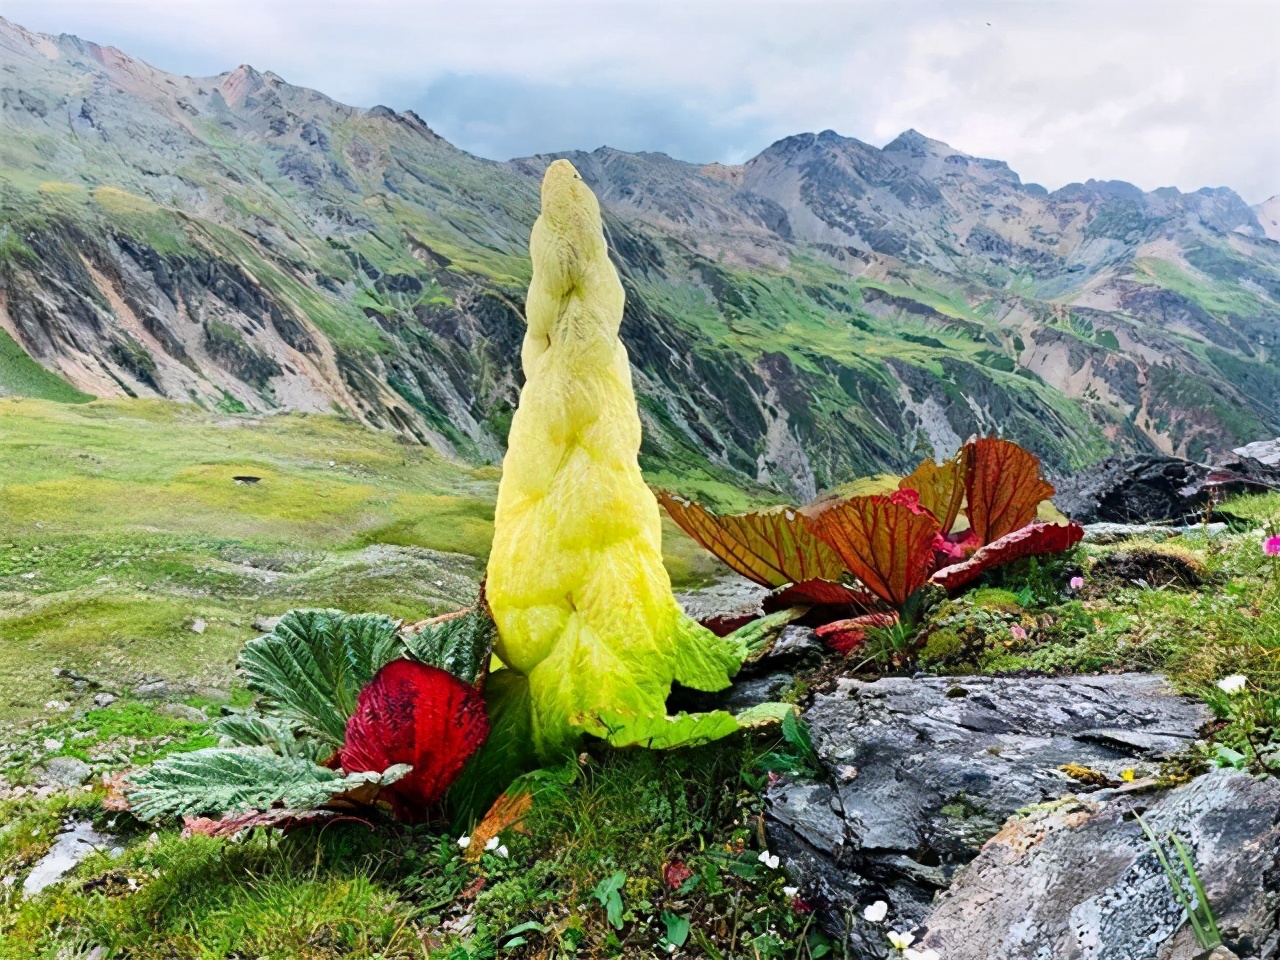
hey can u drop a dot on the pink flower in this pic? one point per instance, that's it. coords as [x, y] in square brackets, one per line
[1271, 546]
[1077, 583]
[1018, 632]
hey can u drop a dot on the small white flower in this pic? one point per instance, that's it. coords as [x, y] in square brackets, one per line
[900, 941]
[876, 912]
[492, 844]
[503, 852]
[790, 891]
[768, 859]
[1234, 683]
[464, 842]
[925, 954]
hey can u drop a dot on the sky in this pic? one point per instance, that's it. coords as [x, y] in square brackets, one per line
[1169, 93]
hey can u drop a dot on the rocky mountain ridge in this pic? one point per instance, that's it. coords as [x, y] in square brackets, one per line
[825, 310]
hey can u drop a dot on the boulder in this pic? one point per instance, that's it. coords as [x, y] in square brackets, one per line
[1081, 879]
[919, 773]
[65, 772]
[1165, 489]
[1139, 490]
[180, 711]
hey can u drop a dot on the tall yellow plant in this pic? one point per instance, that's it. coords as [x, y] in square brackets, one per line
[576, 584]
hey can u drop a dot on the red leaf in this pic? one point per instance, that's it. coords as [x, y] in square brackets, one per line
[276, 819]
[675, 873]
[843, 636]
[886, 541]
[1004, 487]
[772, 547]
[941, 487]
[420, 715]
[1036, 538]
[820, 593]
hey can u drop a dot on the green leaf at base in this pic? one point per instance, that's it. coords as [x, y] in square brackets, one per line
[218, 779]
[690, 729]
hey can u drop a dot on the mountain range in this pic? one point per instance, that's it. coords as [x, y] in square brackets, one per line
[827, 309]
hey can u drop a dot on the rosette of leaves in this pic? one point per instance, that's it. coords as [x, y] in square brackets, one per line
[352, 713]
[879, 556]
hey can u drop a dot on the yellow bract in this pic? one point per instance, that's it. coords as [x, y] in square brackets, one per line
[576, 583]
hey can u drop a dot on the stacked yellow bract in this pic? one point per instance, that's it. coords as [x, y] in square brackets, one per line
[576, 583]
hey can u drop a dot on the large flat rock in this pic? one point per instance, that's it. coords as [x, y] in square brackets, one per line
[919, 773]
[1082, 881]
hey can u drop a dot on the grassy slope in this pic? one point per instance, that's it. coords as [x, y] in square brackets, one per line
[121, 525]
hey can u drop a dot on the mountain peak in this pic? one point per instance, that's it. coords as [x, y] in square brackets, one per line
[916, 143]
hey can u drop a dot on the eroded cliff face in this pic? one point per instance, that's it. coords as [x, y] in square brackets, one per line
[827, 310]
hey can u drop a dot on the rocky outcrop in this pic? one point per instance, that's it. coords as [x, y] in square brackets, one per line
[1080, 879]
[1153, 489]
[920, 773]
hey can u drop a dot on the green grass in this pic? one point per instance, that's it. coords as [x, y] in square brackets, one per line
[122, 526]
[1215, 296]
[22, 376]
[379, 890]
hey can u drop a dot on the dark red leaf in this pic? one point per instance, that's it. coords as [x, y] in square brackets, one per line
[415, 714]
[843, 636]
[772, 547]
[886, 541]
[1036, 538]
[1004, 487]
[820, 593]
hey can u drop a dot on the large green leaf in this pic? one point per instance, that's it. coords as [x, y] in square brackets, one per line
[218, 780]
[458, 643]
[262, 730]
[311, 667]
[690, 729]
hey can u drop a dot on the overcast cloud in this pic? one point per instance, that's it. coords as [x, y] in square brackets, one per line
[1158, 93]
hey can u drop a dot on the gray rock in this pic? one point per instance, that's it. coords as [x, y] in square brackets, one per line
[198, 625]
[1081, 880]
[265, 624]
[180, 711]
[730, 598]
[65, 772]
[101, 700]
[922, 772]
[72, 846]
[156, 690]
[1105, 534]
[1265, 452]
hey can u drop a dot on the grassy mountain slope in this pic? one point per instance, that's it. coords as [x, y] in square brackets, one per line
[826, 310]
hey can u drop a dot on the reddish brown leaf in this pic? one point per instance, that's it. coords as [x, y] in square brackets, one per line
[844, 636]
[941, 487]
[772, 547]
[1004, 487]
[420, 715]
[886, 541]
[278, 819]
[675, 873]
[821, 593]
[1036, 538]
[507, 813]
[724, 624]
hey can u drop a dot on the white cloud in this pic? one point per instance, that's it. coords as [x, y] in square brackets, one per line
[1172, 93]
